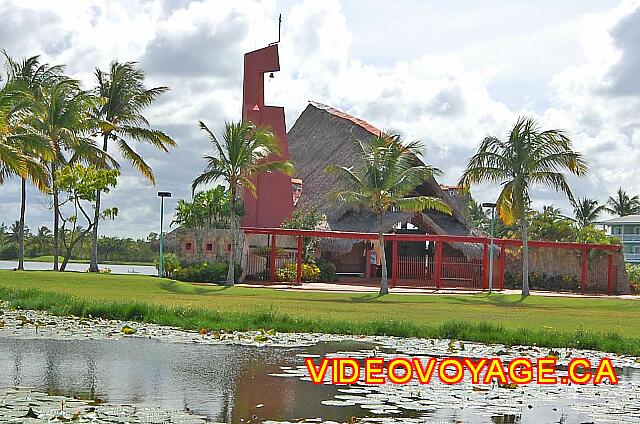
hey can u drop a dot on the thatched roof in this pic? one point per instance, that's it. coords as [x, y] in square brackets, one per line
[323, 135]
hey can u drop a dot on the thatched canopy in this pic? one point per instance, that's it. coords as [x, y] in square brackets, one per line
[323, 135]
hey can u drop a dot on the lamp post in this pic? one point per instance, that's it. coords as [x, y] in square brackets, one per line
[491, 206]
[162, 195]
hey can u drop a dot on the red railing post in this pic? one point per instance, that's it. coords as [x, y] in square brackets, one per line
[503, 265]
[585, 267]
[394, 262]
[437, 271]
[272, 263]
[299, 264]
[611, 276]
[485, 267]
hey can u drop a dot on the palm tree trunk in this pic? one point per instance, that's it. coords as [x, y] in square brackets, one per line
[23, 203]
[525, 255]
[384, 284]
[56, 219]
[232, 231]
[93, 264]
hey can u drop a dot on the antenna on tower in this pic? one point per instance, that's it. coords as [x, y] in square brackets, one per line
[279, 29]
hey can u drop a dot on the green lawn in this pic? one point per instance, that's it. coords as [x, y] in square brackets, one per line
[606, 324]
[49, 259]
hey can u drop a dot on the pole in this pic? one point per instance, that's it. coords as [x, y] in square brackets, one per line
[161, 258]
[493, 225]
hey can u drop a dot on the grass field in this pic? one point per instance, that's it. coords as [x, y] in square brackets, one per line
[49, 259]
[604, 324]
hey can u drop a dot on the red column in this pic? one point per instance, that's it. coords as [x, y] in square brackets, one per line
[585, 267]
[611, 276]
[503, 265]
[273, 257]
[485, 267]
[437, 272]
[299, 270]
[394, 263]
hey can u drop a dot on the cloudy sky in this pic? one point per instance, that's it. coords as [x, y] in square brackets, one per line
[448, 73]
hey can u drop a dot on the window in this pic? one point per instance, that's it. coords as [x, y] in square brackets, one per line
[188, 246]
[209, 247]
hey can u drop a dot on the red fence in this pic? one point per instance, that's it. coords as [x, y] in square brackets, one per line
[440, 269]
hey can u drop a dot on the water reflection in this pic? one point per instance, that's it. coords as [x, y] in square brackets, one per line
[115, 269]
[224, 382]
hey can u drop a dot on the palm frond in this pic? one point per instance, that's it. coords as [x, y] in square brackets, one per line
[136, 160]
[421, 203]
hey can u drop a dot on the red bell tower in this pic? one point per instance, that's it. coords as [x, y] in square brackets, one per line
[273, 202]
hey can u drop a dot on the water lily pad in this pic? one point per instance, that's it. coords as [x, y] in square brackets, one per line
[128, 330]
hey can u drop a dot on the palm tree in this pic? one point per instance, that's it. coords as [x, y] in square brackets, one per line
[62, 121]
[622, 204]
[17, 231]
[528, 157]
[29, 76]
[385, 180]
[587, 211]
[11, 158]
[124, 98]
[242, 154]
[42, 241]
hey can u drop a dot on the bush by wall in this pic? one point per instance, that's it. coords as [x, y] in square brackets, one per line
[539, 281]
[289, 272]
[327, 270]
[633, 271]
[206, 272]
[171, 264]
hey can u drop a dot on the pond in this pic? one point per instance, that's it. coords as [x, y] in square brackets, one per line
[115, 269]
[237, 383]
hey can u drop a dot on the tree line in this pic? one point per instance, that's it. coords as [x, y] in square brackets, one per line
[58, 137]
[551, 224]
[38, 245]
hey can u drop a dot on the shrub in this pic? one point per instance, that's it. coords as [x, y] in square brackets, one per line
[206, 272]
[591, 234]
[327, 270]
[9, 251]
[539, 281]
[289, 272]
[171, 264]
[634, 277]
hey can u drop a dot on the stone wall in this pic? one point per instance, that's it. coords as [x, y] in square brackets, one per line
[552, 262]
[195, 246]
[203, 245]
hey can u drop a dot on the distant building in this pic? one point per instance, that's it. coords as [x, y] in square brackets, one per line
[627, 229]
